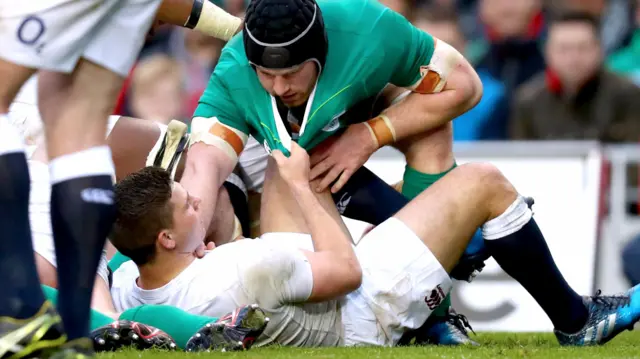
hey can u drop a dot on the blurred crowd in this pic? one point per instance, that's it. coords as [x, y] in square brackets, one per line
[563, 69]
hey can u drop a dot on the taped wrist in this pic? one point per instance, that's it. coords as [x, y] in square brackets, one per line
[381, 130]
[210, 19]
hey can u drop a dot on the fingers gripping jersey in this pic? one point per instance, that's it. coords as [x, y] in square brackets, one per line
[369, 46]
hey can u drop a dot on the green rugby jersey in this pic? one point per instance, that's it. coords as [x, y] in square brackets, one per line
[369, 47]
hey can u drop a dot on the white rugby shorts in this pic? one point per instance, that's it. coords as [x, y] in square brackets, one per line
[402, 283]
[55, 35]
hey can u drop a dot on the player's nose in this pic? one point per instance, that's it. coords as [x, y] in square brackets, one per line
[280, 85]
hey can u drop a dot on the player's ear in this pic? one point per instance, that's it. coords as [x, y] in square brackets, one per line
[165, 240]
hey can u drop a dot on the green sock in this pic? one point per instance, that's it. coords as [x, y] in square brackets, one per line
[180, 325]
[414, 183]
[97, 319]
[117, 260]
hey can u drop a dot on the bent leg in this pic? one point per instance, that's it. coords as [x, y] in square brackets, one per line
[446, 220]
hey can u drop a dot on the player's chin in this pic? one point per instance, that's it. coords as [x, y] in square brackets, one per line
[294, 101]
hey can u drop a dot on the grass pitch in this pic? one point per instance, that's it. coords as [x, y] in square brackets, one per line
[494, 346]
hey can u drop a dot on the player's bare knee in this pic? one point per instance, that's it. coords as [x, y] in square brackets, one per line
[492, 185]
[487, 177]
[90, 88]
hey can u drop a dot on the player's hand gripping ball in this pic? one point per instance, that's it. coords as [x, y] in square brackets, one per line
[341, 158]
[295, 168]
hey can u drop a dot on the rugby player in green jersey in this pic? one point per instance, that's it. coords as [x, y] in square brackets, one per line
[298, 69]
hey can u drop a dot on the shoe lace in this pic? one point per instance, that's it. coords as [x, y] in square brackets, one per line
[611, 301]
[459, 321]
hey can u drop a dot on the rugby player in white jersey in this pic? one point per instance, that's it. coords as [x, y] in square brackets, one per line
[134, 143]
[82, 50]
[317, 288]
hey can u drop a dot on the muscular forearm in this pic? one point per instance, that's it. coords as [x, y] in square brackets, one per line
[201, 15]
[328, 233]
[205, 170]
[418, 113]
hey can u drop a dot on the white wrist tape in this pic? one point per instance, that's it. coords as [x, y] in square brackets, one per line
[216, 22]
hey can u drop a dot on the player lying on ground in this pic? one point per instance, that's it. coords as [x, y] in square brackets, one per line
[326, 292]
[134, 143]
[83, 50]
[129, 331]
[299, 67]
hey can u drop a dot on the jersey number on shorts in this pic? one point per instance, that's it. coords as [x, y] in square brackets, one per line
[30, 31]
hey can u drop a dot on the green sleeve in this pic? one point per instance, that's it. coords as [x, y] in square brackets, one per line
[217, 100]
[117, 260]
[407, 48]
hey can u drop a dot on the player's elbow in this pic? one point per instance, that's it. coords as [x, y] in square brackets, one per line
[467, 86]
[205, 161]
[353, 277]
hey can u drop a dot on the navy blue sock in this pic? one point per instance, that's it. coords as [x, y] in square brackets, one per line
[516, 243]
[21, 295]
[82, 213]
[368, 198]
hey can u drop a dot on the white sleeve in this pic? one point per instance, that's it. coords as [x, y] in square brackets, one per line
[281, 277]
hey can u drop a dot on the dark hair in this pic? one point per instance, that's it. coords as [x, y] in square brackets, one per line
[565, 17]
[143, 210]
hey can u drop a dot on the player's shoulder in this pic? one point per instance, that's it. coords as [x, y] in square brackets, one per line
[126, 274]
[354, 16]
[233, 58]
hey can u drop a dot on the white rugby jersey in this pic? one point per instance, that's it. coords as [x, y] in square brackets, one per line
[230, 276]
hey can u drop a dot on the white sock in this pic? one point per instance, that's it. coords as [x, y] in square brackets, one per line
[95, 161]
[512, 220]
[11, 140]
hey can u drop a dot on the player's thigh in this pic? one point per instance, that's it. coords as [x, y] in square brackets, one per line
[403, 281]
[13, 77]
[447, 214]
[90, 91]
